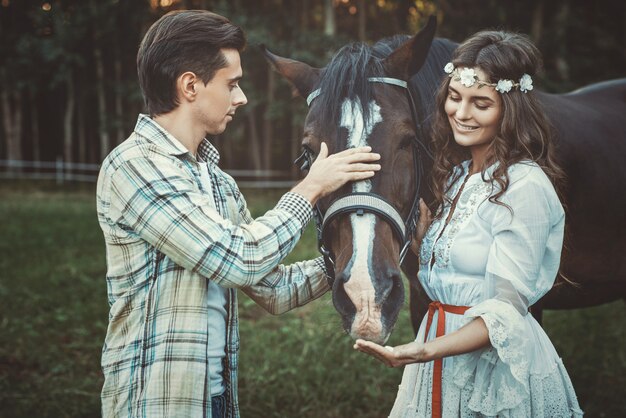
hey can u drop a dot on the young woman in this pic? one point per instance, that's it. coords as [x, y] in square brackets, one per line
[492, 250]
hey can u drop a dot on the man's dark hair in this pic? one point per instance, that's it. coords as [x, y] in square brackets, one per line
[180, 41]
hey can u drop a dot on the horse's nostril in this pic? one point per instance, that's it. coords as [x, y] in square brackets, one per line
[388, 284]
[393, 302]
[343, 303]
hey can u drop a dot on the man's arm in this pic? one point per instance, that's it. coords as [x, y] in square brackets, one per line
[289, 287]
[153, 198]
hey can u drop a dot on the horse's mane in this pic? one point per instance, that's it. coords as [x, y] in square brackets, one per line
[347, 73]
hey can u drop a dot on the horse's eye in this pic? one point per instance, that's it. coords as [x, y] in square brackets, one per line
[406, 142]
[305, 159]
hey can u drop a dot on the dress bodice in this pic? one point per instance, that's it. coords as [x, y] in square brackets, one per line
[455, 257]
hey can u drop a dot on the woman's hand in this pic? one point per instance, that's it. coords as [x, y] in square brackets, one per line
[401, 355]
[423, 223]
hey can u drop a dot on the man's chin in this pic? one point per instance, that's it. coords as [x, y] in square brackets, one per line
[216, 131]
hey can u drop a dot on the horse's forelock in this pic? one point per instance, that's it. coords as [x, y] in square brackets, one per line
[346, 77]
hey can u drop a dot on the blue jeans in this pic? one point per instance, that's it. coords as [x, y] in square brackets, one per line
[218, 406]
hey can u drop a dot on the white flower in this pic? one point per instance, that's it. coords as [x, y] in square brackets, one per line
[504, 86]
[449, 68]
[525, 83]
[468, 77]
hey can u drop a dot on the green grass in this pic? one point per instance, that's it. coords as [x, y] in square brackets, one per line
[53, 317]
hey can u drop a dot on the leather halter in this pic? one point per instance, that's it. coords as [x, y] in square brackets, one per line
[361, 203]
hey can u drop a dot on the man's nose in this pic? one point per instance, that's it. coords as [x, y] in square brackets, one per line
[240, 98]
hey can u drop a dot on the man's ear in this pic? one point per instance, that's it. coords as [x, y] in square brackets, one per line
[186, 86]
[407, 60]
[301, 76]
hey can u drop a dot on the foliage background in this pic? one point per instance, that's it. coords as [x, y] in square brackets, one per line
[68, 84]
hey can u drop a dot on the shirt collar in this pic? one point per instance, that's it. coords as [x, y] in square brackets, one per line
[488, 171]
[155, 133]
[207, 152]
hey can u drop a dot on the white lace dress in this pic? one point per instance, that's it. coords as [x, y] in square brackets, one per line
[498, 264]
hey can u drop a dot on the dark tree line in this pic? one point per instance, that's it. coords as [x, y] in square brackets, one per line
[68, 84]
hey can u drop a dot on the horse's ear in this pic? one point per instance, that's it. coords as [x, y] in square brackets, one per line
[411, 55]
[301, 76]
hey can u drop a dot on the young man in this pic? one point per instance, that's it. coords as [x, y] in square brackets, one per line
[179, 238]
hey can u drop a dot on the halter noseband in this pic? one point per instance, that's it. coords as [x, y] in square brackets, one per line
[360, 203]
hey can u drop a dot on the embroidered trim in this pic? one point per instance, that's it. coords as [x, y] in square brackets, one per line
[466, 206]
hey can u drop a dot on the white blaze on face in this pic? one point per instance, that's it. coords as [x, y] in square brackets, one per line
[359, 287]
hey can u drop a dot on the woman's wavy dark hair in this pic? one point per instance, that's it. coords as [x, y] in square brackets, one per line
[525, 133]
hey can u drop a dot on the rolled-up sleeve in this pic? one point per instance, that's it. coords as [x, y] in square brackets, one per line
[294, 285]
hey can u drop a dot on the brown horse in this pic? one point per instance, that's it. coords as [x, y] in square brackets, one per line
[359, 98]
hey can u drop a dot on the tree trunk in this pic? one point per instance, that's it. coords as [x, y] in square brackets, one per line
[68, 119]
[17, 131]
[119, 105]
[536, 26]
[294, 141]
[34, 125]
[362, 11]
[105, 145]
[81, 133]
[226, 150]
[255, 149]
[268, 131]
[304, 14]
[561, 20]
[329, 18]
[11, 104]
[402, 15]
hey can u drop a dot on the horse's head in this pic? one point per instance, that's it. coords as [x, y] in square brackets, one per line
[361, 98]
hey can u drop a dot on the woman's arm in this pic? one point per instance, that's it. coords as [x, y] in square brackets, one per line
[470, 337]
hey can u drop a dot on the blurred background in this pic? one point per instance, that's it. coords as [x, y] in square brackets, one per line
[69, 94]
[68, 78]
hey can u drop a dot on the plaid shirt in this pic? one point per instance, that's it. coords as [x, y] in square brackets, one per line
[166, 236]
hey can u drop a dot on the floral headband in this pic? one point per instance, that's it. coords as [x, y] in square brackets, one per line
[467, 77]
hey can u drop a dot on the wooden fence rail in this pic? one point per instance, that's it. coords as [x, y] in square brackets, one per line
[63, 171]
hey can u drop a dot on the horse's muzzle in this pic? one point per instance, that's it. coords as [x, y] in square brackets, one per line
[368, 307]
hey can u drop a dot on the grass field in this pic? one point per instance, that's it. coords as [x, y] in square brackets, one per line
[53, 317]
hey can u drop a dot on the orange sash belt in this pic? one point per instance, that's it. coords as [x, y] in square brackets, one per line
[441, 330]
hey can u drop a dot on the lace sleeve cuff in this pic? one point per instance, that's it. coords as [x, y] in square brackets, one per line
[501, 373]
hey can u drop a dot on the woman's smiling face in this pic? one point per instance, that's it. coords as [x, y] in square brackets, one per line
[474, 113]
